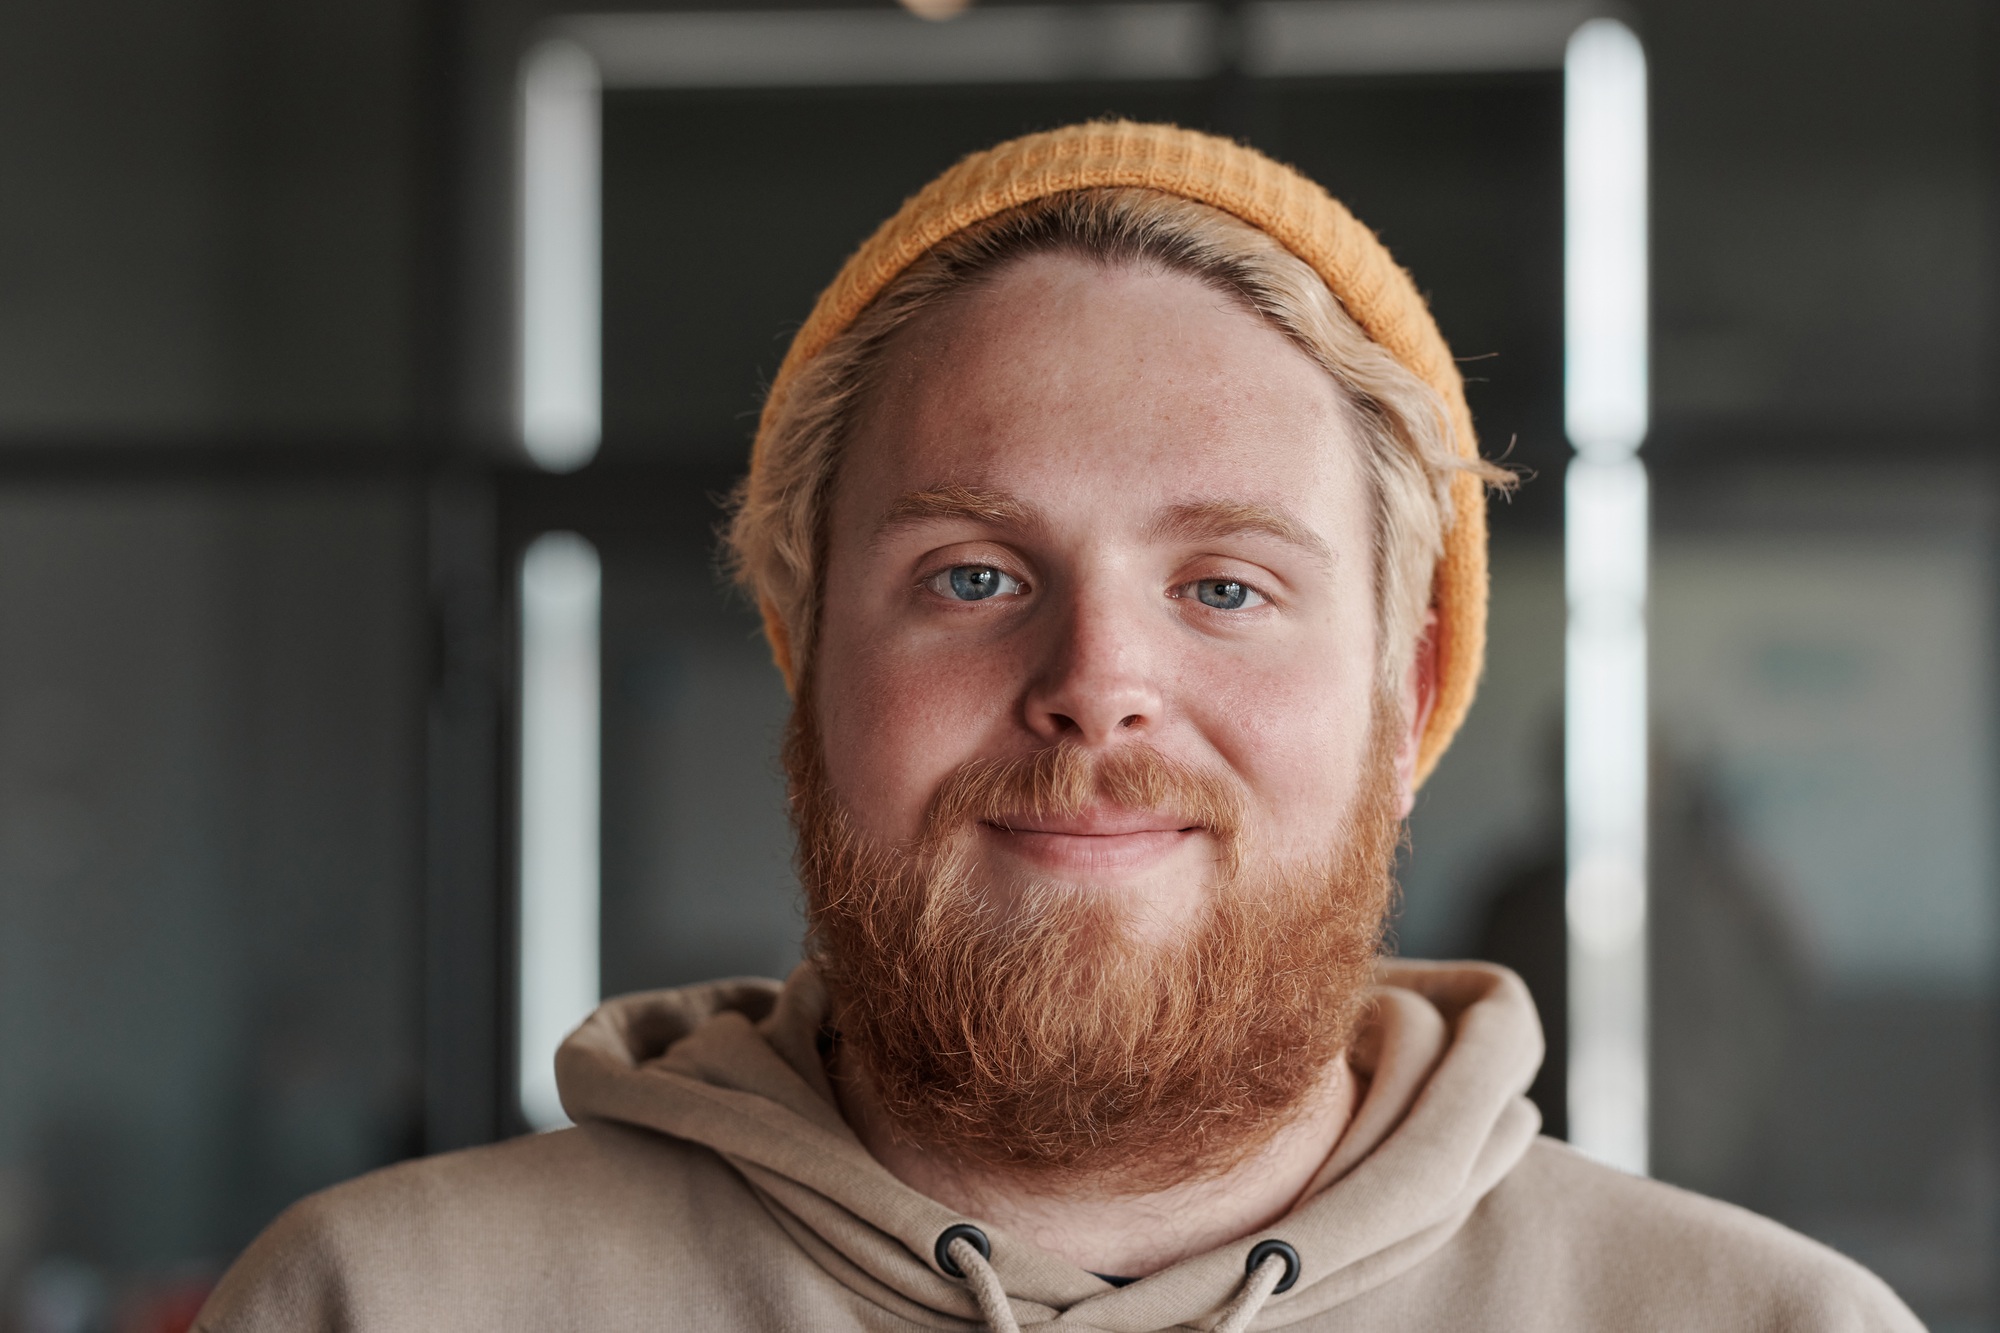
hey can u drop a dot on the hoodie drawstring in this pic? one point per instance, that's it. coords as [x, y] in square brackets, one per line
[963, 1251]
[1273, 1267]
[970, 1261]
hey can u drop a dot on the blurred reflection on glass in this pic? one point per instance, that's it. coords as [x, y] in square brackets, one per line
[1824, 925]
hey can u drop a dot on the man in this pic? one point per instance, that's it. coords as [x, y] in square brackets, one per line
[1117, 523]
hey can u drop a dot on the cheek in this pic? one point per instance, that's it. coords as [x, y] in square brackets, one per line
[896, 720]
[1295, 730]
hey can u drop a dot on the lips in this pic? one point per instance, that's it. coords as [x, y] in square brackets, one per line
[1105, 841]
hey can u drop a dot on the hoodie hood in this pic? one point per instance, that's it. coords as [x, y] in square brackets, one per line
[735, 1066]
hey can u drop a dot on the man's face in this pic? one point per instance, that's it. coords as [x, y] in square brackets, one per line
[1110, 507]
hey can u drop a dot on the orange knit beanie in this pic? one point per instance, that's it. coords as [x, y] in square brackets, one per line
[1273, 198]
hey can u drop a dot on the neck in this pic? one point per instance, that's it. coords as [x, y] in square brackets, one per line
[1096, 1227]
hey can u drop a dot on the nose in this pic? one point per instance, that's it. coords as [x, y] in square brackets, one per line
[1098, 681]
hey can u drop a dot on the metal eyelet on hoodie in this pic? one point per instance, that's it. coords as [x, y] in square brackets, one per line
[1262, 1279]
[974, 1237]
[1263, 1250]
[969, 1262]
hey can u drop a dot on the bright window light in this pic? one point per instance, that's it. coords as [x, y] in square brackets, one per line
[1605, 551]
[1604, 239]
[560, 378]
[561, 600]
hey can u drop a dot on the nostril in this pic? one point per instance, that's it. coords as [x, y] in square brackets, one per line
[1131, 720]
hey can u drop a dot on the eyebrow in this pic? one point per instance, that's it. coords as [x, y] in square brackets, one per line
[944, 503]
[1195, 521]
[1210, 520]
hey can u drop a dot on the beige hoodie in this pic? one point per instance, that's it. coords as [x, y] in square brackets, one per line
[711, 1184]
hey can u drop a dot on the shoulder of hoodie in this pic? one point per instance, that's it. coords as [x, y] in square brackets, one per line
[1625, 1251]
[424, 1243]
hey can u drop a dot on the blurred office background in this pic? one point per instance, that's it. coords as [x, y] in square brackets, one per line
[262, 509]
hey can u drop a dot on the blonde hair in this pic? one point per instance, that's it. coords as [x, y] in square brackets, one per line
[776, 538]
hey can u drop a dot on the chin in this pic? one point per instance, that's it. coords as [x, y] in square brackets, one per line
[1153, 907]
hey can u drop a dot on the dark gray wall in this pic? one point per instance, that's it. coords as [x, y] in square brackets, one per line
[208, 837]
[1821, 215]
[208, 225]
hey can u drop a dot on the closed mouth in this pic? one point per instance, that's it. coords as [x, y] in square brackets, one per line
[1094, 841]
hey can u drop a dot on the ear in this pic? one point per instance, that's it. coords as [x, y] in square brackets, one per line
[1417, 695]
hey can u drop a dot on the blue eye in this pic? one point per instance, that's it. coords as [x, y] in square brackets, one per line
[973, 583]
[1225, 594]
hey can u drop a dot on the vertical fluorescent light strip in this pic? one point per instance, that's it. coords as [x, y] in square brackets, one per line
[561, 600]
[561, 158]
[1605, 541]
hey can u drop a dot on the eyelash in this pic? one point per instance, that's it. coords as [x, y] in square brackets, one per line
[1187, 592]
[938, 582]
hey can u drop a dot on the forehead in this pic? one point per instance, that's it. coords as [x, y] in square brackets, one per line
[1062, 378]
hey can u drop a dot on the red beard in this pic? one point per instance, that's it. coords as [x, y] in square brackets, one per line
[1047, 1038]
